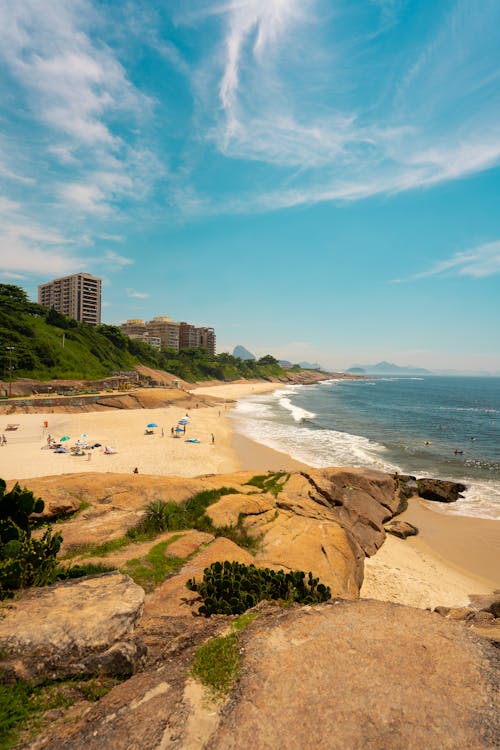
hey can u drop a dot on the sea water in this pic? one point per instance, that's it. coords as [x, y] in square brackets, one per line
[445, 427]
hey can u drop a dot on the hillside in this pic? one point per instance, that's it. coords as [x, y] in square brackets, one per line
[40, 343]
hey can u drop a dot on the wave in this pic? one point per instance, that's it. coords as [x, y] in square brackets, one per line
[297, 412]
[318, 448]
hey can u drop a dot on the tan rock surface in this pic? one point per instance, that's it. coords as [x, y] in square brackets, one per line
[226, 511]
[63, 623]
[355, 675]
[299, 543]
[81, 614]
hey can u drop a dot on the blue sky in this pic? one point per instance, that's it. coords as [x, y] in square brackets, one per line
[318, 179]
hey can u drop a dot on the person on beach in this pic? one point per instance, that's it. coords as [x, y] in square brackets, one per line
[172, 431]
[4, 440]
[162, 432]
[135, 471]
[213, 438]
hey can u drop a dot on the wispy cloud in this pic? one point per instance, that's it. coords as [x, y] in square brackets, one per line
[136, 295]
[477, 263]
[294, 101]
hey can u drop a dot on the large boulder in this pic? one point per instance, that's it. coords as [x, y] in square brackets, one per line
[355, 675]
[76, 627]
[360, 500]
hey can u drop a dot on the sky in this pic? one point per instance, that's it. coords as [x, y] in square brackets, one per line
[317, 179]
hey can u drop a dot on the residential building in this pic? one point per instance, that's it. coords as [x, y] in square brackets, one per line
[167, 330]
[191, 336]
[162, 332]
[78, 296]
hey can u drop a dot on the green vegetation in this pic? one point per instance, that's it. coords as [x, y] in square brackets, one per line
[24, 561]
[155, 567]
[230, 588]
[217, 663]
[22, 704]
[49, 345]
[169, 516]
[272, 482]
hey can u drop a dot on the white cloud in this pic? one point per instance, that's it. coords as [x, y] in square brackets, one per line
[136, 295]
[478, 262]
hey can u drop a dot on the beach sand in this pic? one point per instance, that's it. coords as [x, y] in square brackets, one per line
[451, 558]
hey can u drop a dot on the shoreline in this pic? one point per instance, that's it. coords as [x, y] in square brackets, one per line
[448, 561]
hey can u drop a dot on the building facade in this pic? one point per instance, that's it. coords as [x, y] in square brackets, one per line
[192, 336]
[78, 296]
[164, 333]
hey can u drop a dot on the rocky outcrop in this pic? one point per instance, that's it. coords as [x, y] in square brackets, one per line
[341, 675]
[482, 616]
[440, 491]
[366, 680]
[76, 627]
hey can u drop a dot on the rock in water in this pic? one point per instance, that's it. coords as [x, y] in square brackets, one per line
[439, 490]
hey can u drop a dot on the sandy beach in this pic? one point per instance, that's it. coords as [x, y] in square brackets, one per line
[453, 557]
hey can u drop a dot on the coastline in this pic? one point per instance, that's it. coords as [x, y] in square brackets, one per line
[448, 561]
[452, 557]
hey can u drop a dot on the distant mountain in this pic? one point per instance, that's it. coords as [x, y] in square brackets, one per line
[242, 353]
[389, 368]
[309, 366]
[285, 363]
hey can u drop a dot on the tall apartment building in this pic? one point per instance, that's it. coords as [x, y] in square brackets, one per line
[191, 336]
[78, 296]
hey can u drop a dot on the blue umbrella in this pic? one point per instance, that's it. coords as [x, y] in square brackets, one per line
[179, 429]
[183, 421]
[151, 424]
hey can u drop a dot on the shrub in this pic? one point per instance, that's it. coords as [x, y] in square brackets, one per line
[24, 561]
[230, 588]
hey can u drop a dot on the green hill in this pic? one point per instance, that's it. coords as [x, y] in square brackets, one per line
[40, 343]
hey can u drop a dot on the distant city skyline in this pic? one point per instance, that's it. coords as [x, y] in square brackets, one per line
[316, 179]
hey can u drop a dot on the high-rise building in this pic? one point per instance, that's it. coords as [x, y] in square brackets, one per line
[191, 336]
[78, 296]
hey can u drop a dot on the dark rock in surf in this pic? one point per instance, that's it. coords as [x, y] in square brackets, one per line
[440, 491]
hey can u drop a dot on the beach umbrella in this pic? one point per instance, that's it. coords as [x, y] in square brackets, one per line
[179, 429]
[183, 421]
[84, 434]
[64, 437]
[152, 424]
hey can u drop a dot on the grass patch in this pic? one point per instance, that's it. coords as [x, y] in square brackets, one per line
[272, 482]
[217, 664]
[23, 705]
[169, 516]
[155, 567]
[85, 569]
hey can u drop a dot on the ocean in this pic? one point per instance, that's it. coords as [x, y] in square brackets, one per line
[410, 425]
